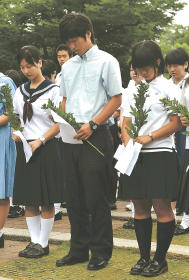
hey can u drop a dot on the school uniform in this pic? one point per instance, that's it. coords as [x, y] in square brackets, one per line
[87, 83]
[180, 139]
[38, 182]
[183, 200]
[8, 149]
[155, 174]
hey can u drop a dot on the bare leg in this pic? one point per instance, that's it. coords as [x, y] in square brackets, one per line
[4, 210]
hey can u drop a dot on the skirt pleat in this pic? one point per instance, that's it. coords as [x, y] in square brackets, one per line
[183, 198]
[39, 182]
[155, 176]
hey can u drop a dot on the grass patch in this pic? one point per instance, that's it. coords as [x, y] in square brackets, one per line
[118, 268]
[130, 234]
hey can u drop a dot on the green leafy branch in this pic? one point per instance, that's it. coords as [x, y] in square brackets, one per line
[69, 118]
[176, 108]
[138, 111]
[6, 99]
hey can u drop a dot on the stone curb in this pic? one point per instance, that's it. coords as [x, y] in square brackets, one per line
[58, 238]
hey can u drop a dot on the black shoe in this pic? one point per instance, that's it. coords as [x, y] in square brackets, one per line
[139, 266]
[129, 224]
[16, 211]
[70, 260]
[2, 241]
[112, 206]
[58, 216]
[97, 263]
[23, 253]
[180, 230]
[37, 251]
[155, 269]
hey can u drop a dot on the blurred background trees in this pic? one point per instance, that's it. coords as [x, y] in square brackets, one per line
[118, 25]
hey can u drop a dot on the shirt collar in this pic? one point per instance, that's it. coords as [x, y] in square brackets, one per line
[89, 53]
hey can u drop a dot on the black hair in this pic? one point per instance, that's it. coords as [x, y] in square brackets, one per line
[30, 53]
[48, 67]
[146, 53]
[15, 76]
[64, 47]
[75, 25]
[176, 56]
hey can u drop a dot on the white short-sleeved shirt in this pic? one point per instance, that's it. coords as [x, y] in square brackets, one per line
[185, 101]
[40, 122]
[58, 78]
[88, 81]
[158, 116]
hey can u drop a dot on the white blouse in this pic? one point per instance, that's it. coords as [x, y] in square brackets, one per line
[40, 122]
[158, 116]
[185, 101]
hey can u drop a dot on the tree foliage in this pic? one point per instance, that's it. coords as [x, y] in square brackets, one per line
[118, 24]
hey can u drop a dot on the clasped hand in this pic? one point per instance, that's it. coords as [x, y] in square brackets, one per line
[144, 139]
[84, 132]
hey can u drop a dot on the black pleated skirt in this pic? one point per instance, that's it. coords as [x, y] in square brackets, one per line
[40, 182]
[155, 176]
[183, 198]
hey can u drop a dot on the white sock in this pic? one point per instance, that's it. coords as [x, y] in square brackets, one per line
[10, 201]
[57, 207]
[175, 214]
[185, 221]
[34, 224]
[133, 210]
[46, 227]
[1, 232]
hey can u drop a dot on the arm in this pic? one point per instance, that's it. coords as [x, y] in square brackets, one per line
[64, 104]
[124, 135]
[53, 130]
[85, 131]
[3, 120]
[165, 131]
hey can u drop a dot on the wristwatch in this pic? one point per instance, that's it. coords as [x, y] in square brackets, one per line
[94, 126]
[150, 134]
[43, 140]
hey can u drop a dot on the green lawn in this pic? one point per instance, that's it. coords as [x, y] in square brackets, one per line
[130, 234]
[118, 268]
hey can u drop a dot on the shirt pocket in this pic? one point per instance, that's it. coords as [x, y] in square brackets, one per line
[91, 80]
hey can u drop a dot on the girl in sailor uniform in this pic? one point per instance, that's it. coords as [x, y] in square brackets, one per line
[183, 200]
[38, 182]
[154, 179]
[7, 160]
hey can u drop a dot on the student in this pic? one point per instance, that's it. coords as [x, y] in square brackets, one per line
[38, 182]
[154, 178]
[63, 54]
[15, 211]
[7, 160]
[177, 64]
[49, 72]
[183, 200]
[135, 80]
[88, 80]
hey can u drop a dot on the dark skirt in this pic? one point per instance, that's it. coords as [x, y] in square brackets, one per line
[155, 176]
[40, 182]
[183, 198]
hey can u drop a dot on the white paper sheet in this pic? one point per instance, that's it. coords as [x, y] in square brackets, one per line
[127, 157]
[67, 132]
[119, 151]
[26, 146]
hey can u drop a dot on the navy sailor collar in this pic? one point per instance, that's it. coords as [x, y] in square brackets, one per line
[40, 90]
